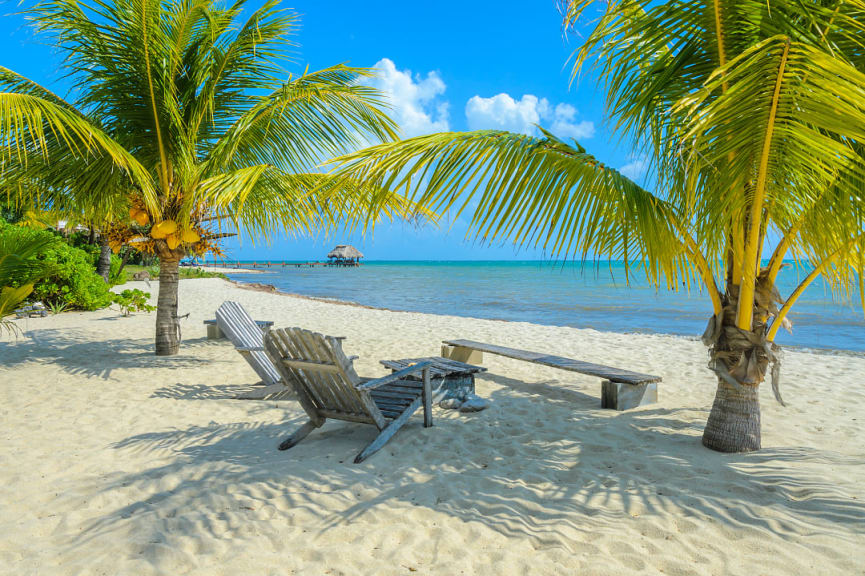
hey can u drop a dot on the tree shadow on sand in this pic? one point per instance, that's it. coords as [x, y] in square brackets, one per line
[579, 470]
[78, 353]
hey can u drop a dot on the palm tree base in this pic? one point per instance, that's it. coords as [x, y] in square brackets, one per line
[734, 422]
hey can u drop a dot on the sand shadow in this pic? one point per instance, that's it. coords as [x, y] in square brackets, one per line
[562, 489]
[555, 391]
[78, 353]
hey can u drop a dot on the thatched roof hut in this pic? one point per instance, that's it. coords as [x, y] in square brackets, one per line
[345, 252]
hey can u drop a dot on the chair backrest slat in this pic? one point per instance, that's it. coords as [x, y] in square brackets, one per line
[336, 384]
[319, 369]
[243, 332]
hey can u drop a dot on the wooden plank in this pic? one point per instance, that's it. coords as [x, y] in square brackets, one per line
[358, 417]
[393, 394]
[387, 433]
[243, 332]
[333, 350]
[441, 367]
[309, 343]
[344, 382]
[599, 370]
[384, 404]
[393, 377]
[298, 435]
[427, 400]
[259, 323]
[274, 343]
[620, 396]
[315, 366]
[338, 383]
[296, 349]
[411, 386]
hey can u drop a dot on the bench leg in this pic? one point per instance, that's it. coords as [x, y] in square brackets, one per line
[298, 435]
[460, 354]
[618, 396]
[214, 333]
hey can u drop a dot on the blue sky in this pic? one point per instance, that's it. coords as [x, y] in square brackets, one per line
[446, 65]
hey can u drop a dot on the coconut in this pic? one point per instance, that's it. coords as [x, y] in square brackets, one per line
[169, 227]
[189, 236]
[142, 218]
[157, 231]
[173, 241]
[133, 213]
[163, 229]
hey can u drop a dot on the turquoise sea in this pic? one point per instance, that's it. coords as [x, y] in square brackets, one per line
[562, 294]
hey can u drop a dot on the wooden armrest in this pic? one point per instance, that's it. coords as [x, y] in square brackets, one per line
[249, 349]
[372, 384]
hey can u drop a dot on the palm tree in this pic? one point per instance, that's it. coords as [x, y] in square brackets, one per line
[185, 125]
[752, 115]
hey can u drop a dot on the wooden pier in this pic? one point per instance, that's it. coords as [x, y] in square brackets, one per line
[278, 264]
[343, 256]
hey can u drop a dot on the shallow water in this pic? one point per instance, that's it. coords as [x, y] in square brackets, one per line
[563, 294]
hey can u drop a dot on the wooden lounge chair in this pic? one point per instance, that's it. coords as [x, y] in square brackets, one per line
[248, 339]
[328, 387]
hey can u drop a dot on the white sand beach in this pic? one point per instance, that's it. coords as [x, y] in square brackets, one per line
[114, 461]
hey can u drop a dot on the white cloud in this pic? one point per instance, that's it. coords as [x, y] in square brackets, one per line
[502, 112]
[635, 169]
[416, 102]
[564, 126]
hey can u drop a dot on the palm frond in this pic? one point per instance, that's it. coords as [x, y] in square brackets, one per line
[533, 191]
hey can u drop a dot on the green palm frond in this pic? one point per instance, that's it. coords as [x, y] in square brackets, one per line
[533, 191]
[33, 125]
[310, 118]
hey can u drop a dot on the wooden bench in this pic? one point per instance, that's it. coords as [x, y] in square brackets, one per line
[620, 389]
[214, 332]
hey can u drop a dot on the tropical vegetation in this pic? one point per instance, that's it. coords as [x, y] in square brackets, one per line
[751, 114]
[67, 274]
[133, 300]
[183, 127]
[20, 269]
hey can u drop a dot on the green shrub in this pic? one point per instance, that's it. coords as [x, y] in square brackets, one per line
[188, 272]
[73, 281]
[133, 301]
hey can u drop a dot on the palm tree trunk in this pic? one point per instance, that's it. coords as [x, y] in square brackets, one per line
[103, 265]
[167, 327]
[741, 359]
[734, 422]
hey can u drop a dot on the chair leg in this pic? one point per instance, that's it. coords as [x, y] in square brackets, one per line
[298, 435]
[387, 432]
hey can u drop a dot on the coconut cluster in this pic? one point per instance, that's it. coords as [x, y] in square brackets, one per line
[173, 235]
[166, 230]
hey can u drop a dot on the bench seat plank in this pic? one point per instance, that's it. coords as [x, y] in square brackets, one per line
[599, 370]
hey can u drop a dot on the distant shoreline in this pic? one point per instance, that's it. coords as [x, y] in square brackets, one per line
[271, 289]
